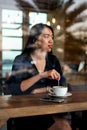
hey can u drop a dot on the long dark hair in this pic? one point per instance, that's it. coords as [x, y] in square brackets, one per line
[35, 32]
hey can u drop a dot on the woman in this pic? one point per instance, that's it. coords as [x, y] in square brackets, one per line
[36, 70]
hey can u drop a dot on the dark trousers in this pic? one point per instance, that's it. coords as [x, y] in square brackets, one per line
[42, 122]
[84, 120]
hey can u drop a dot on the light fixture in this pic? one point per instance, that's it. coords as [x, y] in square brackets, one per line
[54, 23]
[86, 52]
[48, 23]
[58, 27]
[53, 20]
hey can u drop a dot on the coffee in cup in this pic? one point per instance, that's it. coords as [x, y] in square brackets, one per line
[60, 90]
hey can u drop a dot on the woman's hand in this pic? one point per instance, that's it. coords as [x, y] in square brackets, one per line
[47, 89]
[39, 90]
[51, 74]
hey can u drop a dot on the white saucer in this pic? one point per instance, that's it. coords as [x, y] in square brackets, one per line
[66, 95]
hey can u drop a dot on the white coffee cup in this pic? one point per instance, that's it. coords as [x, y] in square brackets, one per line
[60, 90]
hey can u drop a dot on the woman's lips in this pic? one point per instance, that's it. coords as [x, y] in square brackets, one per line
[50, 46]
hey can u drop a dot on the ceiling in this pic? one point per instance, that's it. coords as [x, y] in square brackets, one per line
[42, 5]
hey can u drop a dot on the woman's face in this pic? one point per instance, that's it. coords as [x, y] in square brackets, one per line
[45, 40]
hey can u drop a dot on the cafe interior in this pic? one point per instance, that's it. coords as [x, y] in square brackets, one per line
[69, 21]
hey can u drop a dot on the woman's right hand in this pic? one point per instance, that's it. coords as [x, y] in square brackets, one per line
[51, 74]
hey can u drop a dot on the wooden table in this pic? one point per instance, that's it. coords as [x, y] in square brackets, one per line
[31, 105]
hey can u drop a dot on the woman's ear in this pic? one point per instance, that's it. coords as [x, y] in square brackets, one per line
[38, 43]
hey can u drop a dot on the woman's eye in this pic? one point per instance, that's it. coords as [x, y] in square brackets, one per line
[48, 36]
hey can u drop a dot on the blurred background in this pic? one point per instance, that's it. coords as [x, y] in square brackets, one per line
[69, 21]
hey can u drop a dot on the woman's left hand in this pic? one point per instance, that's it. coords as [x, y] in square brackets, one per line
[39, 90]
[42, 90]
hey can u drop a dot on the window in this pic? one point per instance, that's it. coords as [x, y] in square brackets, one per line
[11, 38]
[35, 17]
[12, 33]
